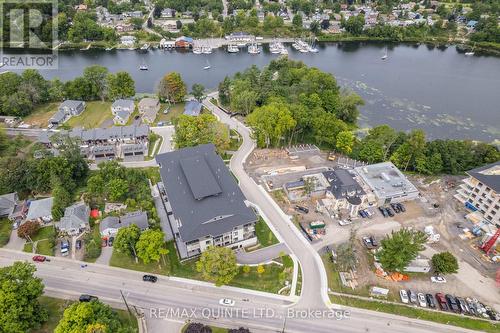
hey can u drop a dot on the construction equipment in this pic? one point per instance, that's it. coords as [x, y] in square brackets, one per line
[488, 245]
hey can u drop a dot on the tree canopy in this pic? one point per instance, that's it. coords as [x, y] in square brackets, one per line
[20, 310]
[218, 264]
[400, 248]
[172, 88]
[151, 246]
[444, 263]
[205, 128]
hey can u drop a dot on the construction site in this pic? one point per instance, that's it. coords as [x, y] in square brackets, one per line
[298, 179]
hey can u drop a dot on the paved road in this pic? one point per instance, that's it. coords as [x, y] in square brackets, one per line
[258, 311]
[314, 284]
[261, 256]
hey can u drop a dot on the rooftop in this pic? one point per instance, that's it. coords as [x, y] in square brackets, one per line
[71, 104]
[489, 175]
[40, 208]
[385, 179]
[75, 217]
[344, 185]
[139, 218]
[123, 103]
[115, 132]
[192, 108]
[202, 192]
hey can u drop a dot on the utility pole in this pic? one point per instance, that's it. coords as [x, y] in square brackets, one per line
[284, 324]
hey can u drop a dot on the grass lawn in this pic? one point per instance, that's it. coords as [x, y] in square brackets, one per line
[41, 115]
[402, 310]
[268, 281]
[94, 115]
[56, 308]
[153, 145]
[235, 142]
[45, 233]
[5, 230]
[92, 244]
[175, 111]
[153, 174]
[45, 247]
[265, 236]
[28, 247]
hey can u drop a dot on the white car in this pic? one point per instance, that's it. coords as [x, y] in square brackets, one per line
[421, 300]
[226, 302]
[404, 296]
[438, 279]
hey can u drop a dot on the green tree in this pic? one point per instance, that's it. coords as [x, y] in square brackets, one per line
[96, 76]
[62, 199]
[410, 151]
[444, 263]
[151, 246]
[90, 317]
[218, 264]
[172, 88]
[120, 85]
[198, 91]
[297, 21]
[400, 248]
[117, 189]
[19, 293]
[347, 109]
[126, 240]
[271, 123]
[354, 25]
[28, 229]
[345, 142]
[193, 131]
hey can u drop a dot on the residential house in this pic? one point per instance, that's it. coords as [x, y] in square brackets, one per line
[110, 225]
[124, 27]
[66, 110]
[121, 110]
[480, 193]
[148, 108]
[40, 210]
[184, 42]
[124, 142]
[385, 184]
[344, 195]
[167, 13]
[205, 206]
[81, 7]
[240, 37]
[192, 108]
[128, 41]
[167, 44]
[11, 207]
[75, 219]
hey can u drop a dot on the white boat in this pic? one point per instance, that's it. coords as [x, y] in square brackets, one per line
[231, 48]
[206, 50]
[253, 49]
[468, 54]
[145, 47]
[284, 51]
[197, 49]
[207, 67]
[385, 54]
[144, 67]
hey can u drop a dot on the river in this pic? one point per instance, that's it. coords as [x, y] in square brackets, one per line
[441, 91]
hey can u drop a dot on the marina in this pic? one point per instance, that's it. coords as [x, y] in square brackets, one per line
[412, 88]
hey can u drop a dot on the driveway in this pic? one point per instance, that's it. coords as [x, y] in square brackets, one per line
[15, 242]
[105, 256]
[261, 256]
[167, 133]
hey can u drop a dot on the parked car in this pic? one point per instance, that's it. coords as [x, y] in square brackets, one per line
[362, 214]
[395, 207]
[401, 207]
[136, 117]
[344, 222]
[493, 315]
[104, 242]
[430, 301]
[452, 303]
[404, 296]
[389, 212]
[442, 301]
[464, 308]
[226, 302]
[304, 210]
[421, 300]
[413, 296]
[438, 279]
[383, 212]
[78, 244]
[40, 258]
[149, 278]
[110, 241]
[87, 298]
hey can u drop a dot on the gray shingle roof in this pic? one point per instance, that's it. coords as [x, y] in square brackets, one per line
[7, 203]
[343, 185]
[58, 117]
[70, 104]
[192, 108]
[214, 214]
[138, 218]
[115, 132]
[75, 217]
[488, 174]
[123, 103]
[40, 208]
